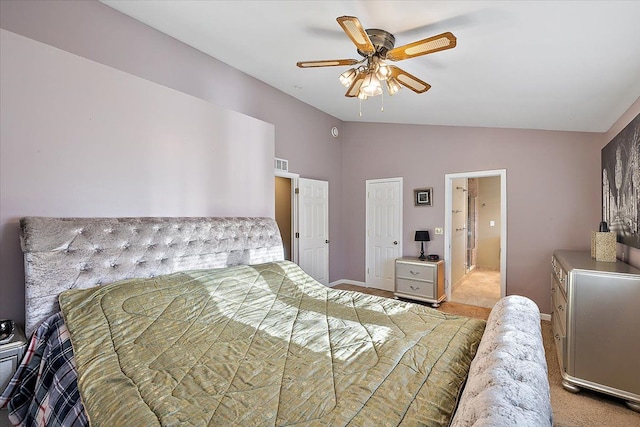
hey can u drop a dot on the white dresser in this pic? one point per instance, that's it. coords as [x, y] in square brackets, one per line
[420, 280]
[595, 319]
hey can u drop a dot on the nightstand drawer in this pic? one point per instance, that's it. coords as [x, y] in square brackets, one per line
[10, 356]
[423, 272]
[420, 280]
[415, 287]
[8, 366]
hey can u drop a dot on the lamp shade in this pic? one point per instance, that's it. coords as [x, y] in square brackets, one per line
[422, 236]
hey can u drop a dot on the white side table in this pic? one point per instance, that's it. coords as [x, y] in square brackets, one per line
[420, 280]
[11, 354]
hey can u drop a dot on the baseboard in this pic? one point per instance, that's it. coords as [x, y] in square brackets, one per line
[546, 317]
[347, 282]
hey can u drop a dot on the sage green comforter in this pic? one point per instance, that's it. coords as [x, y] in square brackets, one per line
[263, 345]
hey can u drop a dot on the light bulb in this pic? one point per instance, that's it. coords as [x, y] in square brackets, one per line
[383, 71]
[347, 77]
[393, 86]
[371, 85]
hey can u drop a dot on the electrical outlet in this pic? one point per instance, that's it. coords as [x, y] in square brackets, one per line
[439, 230]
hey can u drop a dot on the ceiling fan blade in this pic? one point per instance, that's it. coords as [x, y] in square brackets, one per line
[326, 63]
[408, 80]
[352, 26]
[355, 86]
[422, 47]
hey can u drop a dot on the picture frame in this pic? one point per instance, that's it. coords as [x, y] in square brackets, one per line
[423, 196]
[619, 166]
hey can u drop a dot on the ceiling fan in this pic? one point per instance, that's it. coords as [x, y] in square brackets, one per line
[376, 46]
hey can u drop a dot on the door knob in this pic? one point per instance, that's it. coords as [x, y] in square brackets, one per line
[395, 242]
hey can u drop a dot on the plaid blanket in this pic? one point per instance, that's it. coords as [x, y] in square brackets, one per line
[44, 389]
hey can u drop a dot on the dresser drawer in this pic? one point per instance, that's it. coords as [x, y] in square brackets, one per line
[559, 309]
[560, 340]
[415, 287]
[420, 272]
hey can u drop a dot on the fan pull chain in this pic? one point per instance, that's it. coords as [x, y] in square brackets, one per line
[382, 101]
[360, 99]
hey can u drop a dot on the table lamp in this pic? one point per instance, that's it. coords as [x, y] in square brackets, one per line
[422, 236]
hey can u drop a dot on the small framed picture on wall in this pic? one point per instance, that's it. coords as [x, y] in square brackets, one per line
[423, 196]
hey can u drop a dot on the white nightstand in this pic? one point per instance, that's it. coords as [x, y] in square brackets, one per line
[420, 280]
[10, 356]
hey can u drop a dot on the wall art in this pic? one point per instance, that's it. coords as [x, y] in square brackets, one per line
[621, 184]
[423, 196]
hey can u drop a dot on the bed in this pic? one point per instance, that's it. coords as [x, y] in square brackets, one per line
[200, 321]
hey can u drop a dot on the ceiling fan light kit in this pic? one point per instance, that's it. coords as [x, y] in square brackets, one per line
[377, 46]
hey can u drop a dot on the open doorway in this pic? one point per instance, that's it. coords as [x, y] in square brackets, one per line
[302, 215]
[286, 212]
[475, 237]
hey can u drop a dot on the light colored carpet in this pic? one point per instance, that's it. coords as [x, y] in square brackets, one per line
[584, 409]
[480, 287]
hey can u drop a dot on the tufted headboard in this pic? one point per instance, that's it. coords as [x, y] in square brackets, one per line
[66, 253]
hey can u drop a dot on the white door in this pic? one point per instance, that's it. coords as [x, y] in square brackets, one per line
[384, 231]
[313, 220]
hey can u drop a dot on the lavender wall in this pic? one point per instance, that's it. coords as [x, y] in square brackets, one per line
[552, 189]
[100, 33]
[97, 32]
[79, 138]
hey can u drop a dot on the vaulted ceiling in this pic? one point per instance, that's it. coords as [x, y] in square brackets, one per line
[557, 65]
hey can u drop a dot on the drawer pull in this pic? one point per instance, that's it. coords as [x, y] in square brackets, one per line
[560, 308]
[415, 273]
[414, 288]
[557, 336]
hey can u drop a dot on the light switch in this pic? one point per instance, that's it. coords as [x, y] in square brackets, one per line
[492, 223]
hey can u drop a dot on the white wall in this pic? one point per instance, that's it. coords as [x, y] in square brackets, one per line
[79, 138]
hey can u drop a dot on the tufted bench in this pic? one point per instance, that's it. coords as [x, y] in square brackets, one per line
[508, 382]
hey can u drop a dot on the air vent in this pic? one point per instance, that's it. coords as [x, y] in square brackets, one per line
[281, 164]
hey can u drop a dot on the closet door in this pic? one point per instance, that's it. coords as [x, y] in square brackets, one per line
[313, 222]
[384, 231]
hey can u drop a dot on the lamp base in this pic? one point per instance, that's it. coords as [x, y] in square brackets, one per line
[422, 257]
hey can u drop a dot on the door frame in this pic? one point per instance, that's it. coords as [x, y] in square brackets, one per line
[448, 185]
[294, 211]
[368, 182]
